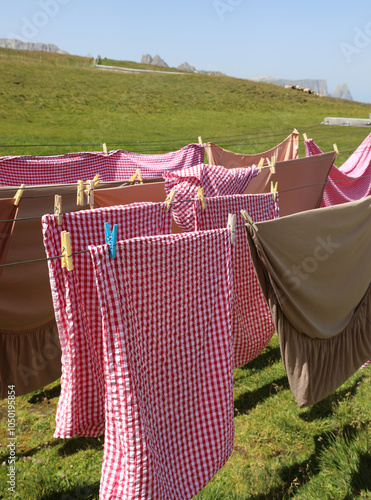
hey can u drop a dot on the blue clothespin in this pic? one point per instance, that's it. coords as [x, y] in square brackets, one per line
[111, 239]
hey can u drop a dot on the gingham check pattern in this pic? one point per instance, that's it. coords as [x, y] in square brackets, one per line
[351, 181]
[166, 312]
[80, 410]
[216, 181]
[116, 165]
[251, 318]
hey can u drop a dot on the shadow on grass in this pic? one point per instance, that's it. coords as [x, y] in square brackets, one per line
[84, 492]
[361, 480]
[67, 448]
[45, 393]
[270, 356]
[74, 445]
[249, 400]
[297, 475]
[327, 406]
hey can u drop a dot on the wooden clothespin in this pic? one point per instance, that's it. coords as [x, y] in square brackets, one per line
[272, 165]
[111, 239]
[58, 208]
[260, 164]
[139, 176]
[248, 219]
[80, 193]
[133, 177]
[336, 148]
[90, 192]
[18, 195]
[200, 141]
[201, 195]
[169, 199]
[305, 137]
[274, 190]
[66, 251]
[104, 146]
[231, 224]
[96, 181]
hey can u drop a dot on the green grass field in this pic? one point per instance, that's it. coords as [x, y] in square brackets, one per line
[281, 451]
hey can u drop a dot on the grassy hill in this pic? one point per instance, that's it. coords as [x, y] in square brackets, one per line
[60, 99]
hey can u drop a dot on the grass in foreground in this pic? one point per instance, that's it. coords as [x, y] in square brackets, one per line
[281, 451]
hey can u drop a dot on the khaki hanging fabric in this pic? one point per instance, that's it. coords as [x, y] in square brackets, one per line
[314, 268]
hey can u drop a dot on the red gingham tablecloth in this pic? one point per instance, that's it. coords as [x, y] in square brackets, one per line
[166, 306]
[351, 181]
[114, 166]
[216, 181]
[80, 410]
[251, 318]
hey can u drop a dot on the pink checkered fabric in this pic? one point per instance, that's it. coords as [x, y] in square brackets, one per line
[351, 181]
[368, 363]
[216, 181]
[166, 306]
[116, 165]
[252, 320]
[80, 410]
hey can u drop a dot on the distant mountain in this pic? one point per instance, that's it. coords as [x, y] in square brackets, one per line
[343, 92]
[319, 86]
[157, 61]
[9, 43]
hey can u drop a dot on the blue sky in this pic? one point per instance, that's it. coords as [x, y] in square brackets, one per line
[326, 39]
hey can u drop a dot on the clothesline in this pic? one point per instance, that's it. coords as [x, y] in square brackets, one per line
[188, 200]
[308, 159]
[45, 259]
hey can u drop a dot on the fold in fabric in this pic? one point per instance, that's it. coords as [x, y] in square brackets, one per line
[251, 318]
[8, 214]
[314, 270]
[80, 410]
[286, 150]
[216, 181]
[351, 181]
[166, 307]
[300, 182]
[113, 166]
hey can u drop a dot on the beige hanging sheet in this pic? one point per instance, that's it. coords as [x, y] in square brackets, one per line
[286, 150]
[314, 268]
[300, 182]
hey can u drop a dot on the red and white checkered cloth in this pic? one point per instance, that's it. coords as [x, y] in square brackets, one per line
[166, 306]
[252, 320]
[351, 181]
[216, 181]
[116, 165]
[80, 410]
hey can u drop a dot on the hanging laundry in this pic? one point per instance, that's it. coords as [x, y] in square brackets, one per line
[113, 166]
[300, 182]
[286, 150]
[80, 410]
[123, 195]
[351, 181]
[251, 318]
[166, 307]
[216, 181]
[314, 269]
[8, 214]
